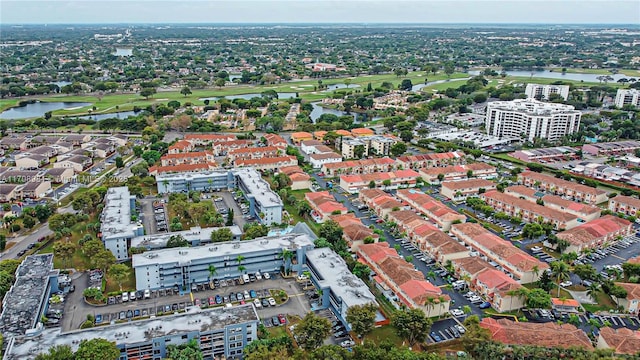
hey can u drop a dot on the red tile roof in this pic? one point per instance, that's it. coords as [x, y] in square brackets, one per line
[210, 137]
[595, 229]
[543, 178]
[377, 251]
[622, 341]
[626, 200]
[633, 290]
[289, 160]
[565, 302]
[181, 168]
[540, 334]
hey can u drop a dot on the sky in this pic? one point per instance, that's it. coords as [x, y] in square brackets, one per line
[320, 11]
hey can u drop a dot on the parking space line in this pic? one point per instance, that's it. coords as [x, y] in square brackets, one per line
[618, 257]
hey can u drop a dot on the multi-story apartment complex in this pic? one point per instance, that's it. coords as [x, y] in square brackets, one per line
[183, 267]
[545, 154]
[584, 212]
[595, 233]
[624, 204]
[460, 190]
[396, 179]
[116, 226]
[200, 157]
[458, 172]
[531, 119]
[431, 160]
[436, 211]
[572, 190]
[267, 163]
[529, 211]
[219, 332]
[254, 153]
[323, 205]
[543, 92]
[264, 204]
[374, 144]
[354, 232]
[611, 148]
[521, 266]
[365, 166]
[379, 202]
[626, 97]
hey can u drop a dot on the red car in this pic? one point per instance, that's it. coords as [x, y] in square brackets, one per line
[379, 221]
[197, 302]
[321, 174]
[283, 320]
[242, 302]
[212, 301]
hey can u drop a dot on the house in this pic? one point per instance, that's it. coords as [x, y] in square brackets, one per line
[78, 163]
[119, 139]
[528, 211]
[298, 137]
[390, 180]
[573, 191]
[77, 139]
[102, 150]
[548, 334]
[625, 204]
[48, 151]
[14, 143]
[622, 340]
[15, 176]
[565, 305]
[500, 289]
[523, 267]
[309, 146]
[181, 146]
[31, 161]
[267, 163]
[60, 175]
[379, 201]
[276, 140]
[8, 192]
[299, 179]
[199, 157]
[35, 189]
[436, 211]
[595, 233]
[461, 189]
[319, 135]
[318, 160]
[631, 303]
[430, 160]
[365, 166]
[323, 204]
[354, 232]
[182, 168]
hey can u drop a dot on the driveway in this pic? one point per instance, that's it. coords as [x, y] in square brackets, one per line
[148, 219]
[238, 219]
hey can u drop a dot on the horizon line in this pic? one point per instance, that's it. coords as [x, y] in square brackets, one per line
[317, 23]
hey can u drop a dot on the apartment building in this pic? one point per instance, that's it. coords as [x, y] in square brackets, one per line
[529, 211]
[200, 157]
[470, 267]
[438, 244]
[166, 268]
[180, 146]
[223, 148]
[630, 303]
[558, 153]
[309, 146]
[276, 140]
[182, 168]
[596, 233]
[77, 162]
[116, 228]
[374, 144]
[521, 266]
[543, 92]
[364, 166]
[611, 148]
[254, 153]
[360, 132]
[319, 160]
[531, 119]
[431, 160]
[626, 97]
[460, 190]
[323, 205]
[436, 211]
[195, 236]
[354, 232]
[299, 179]
[624, 204]
[267, 163]
[549, 334]
[400, 283]
[584, 212]
[498, 287]
[379, 202]
[207, 139]
[621, 341]
[394, 179]
[556, 186]
[458, 172]
[298, 137]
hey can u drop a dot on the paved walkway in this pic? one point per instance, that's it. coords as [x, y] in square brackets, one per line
[581, 296]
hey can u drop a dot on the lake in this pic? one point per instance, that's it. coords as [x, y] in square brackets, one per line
[123, 51]
[417, 87]
[281, 95]
[341, 86]
[319, 110]
[98, 117]
[38, 109]
[558, 75]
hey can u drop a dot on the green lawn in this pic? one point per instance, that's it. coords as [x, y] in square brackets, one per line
[386, 332]
[291, 209]
[128, 284]
[604, 303]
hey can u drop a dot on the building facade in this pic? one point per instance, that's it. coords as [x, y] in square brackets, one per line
[116, 227]
[626, 97]
[543, 92]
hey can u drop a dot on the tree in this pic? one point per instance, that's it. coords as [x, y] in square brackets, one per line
[372, 184]
[311, 331]
[361, 270]
[177, 241]
[406, 135]
[188, 351]
[561, 272]
[57, 352]
[3, 242]
[6, 281]
[449, 68]
[440, 177]
[358, 151]
[103, 259]
[64, 250]
[538, 299]
[147, 92]
[28, 221]
[119, 162]
[398, 148]
[220, 82]
[119, 272]
[474, 334]
[97, 349]
[221, 235]
[411, 325]
[331, 230]
[406, 85]
[185, 91]
[91, 247]
[362, 319]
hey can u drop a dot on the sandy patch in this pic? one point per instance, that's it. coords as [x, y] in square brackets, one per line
[162, 99]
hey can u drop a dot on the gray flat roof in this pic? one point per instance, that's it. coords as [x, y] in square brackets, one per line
[134, 332]
[231, 248]
[20, 307]
[258, 187]
[193, 234]
[334, 273]
[116, 216]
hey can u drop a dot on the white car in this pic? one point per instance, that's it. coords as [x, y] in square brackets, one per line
[536, 248]
[303, 277]
[347, 343]
[460, 329]
[125, 296]
[566, 283]
[147, 293]
[258, 276]
[257, 303]
[266, 276]
[456, 312]
[272, 301]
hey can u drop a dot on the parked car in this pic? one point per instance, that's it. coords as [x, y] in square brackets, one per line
[266, 276]
[282, 318]
[456, 312]
[125, 296]
[275, 321]
[347, 343]
[485, 305]
[272, 301]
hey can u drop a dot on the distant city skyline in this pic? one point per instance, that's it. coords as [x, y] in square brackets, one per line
[321, 11]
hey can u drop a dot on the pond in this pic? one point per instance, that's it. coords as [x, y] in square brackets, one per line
[281, 95]
[38, 109]
[558, 75]
[120, 51]
[319, 110]
[98, 117]
[341, 86]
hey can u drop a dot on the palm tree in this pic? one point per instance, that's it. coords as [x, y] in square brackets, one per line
[212, 271]
[430, 303]
[286, 255]
[239, 259]
[592, 291]
[560, 270]
[241, 268]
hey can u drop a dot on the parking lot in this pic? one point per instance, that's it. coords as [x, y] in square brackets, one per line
[445, 330]
[588, 322]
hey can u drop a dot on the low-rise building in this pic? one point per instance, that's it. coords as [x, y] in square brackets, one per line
[436, 211]
[458, 172]
[298, 137]
[529, 211]
[182, 168]
[276, 140]
[299, 179]
[431, 160]
[323, 205]
[565, 305]
[309, 146]
[196, 236]
[622, 340]
[379, 202]
[60, 175]
[523, 267]
[611, 148]
[318, 160]
[388, 180]
[596, 233]
[460, 190]
[470, 267]
[206, 139]
[35, 189]
[438, 244]
[254, 153]
[354, 232]
[181, 146]
[631, 303]
[584, 212]
[625, 204]
[77, 162]
[548, 334]
[116, 228]
[365, 166]
[500, 289]
[267, 163]
[360, 132]
[9, 192]
[558, 153]
[340, 289]
[32, 161]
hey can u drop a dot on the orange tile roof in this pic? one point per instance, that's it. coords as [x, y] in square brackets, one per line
[581, 208]
[324, 156]
[379, 176]
[301, 135]
[560, 183]
[377, 251]
[540, 334]
[633, 290]
[421, 290]
[210, 137]
[623, 340]
[267, 161]
[254, 150]
[635, 260]
[426, 203]
[299, 177]
[565, 302]
[546, 212]
[469, 183]
[431, 157]
[182, 144]
[626, 200]
[472, 265]
[343, 132]
[362, 131]
[595, 229]
[182, 168]
[495, 279]
[188, 155]
[521, 190]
